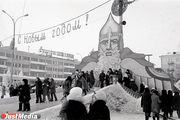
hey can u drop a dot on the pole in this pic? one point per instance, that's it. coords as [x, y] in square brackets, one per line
[14, 25]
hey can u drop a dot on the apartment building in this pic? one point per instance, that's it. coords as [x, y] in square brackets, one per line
[46, 63]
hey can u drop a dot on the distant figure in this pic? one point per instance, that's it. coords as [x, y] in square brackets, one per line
[176, 101]
[92, 79]
[26, 95]
[67, 86]
[142, 87]
[53, 89]
[3, 91]
[120, 76]
[21, 96]
[11, 89]
[170, 103]
[84, 83]
[164, 103]
[132, 85]
[45, 89]
[155, 105]
[126, 79]
[98, 109]
[73, 107]
[107, 79]
[102, 78]
[38, 85]
[146, 103]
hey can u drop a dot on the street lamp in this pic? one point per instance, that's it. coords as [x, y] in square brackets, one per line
[14, 23]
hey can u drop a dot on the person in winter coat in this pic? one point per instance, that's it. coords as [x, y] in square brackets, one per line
[142, 87]
[53, 89]
[164, 103]
[11, 88]
[170, 103]
[126, 79]
[67, 86]
[3, 91]
[98, 109]
[21, 98]
[155, 105]
[45, 88]
[102, 78]
[92, 79]
[107, 79]
[84, 83]
[73, 107]
[26, 95]
[38, 85]
[176, 102]
[146, 103]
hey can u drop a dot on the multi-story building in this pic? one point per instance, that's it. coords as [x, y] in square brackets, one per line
[172, 62]
[30, 65]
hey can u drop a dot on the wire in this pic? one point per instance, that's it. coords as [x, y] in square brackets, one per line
[22, 15]
[63, 22]
[68, 20]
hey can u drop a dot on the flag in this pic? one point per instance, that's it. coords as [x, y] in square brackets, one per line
[12, 44]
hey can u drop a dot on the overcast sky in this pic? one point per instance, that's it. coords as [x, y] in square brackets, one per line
[153, 26]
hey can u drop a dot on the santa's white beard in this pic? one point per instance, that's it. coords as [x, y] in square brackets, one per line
[106, 62]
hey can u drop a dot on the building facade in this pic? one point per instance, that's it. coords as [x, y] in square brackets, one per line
[30, 65]
[171, 62]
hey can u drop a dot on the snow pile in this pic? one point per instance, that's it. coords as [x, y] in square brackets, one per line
[120, 101]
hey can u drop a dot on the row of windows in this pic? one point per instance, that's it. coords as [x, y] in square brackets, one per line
[35, 59]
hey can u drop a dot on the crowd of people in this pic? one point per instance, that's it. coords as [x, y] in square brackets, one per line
[73, 107]
[44, 89]
[152, 102]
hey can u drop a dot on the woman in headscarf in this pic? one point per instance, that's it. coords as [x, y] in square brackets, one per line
[53, 89]
[98, 109]
[73, 107]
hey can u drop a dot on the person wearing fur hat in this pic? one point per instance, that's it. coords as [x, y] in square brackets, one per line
[98, 109]
[73, 107]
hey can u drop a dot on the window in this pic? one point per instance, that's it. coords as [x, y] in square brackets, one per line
[49, 61]
[41, 60]
[26, 58]
[9, 55]
[1, 62]
[8, 63]
[2, 54]
[34, 59]
[60, 63]
[26, 73]
[34, 74]
[49, 69]
[25, 66]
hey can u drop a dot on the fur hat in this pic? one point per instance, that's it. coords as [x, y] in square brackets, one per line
[75, 94]
[100, 95]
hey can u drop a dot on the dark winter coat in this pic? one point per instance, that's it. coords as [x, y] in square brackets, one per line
[21, 93]
[38, 85]
[176, 101]
[92, 79]
[146, 102]
[76, 110]
[45, 87]
[99, 111]
[164, 101]
[52, 87]
[66, 86]
[102, 76]
[155, 106]
[26, 92]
